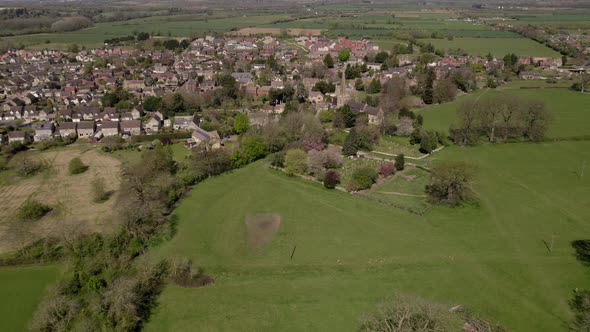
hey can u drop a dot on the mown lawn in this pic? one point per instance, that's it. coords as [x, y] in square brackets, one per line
[570, 112]
[21, 289]
[352, 253]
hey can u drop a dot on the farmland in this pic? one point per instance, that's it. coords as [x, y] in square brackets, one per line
[353, 253]
[496, 46]
[177, 26]
[21, 288]
[70, 198]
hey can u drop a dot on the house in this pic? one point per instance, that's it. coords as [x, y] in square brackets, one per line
[199, 136]
[137, 112]
[68, 129]
[260, 119]
[153, 124]
[134, 85]
[109, 128]
[375, 114]
[44, 131]
[18, 136]
[86, 129]
[131, 127]
[316, 97]
[530, 76]
[186, 122]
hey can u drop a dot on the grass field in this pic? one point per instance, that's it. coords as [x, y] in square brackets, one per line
[177, 25]
[404, 189]
[21, 288]
[569, 110]
[497, 46]
[352, 253]
[69, 195]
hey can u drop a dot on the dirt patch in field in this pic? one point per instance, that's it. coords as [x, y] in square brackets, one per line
[261, 228]
[278, 31]
[69, 196]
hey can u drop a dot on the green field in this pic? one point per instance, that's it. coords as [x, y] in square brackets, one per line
[497, 46]
[352, 253]
[176, 25]
[569, 110]
[21, 289]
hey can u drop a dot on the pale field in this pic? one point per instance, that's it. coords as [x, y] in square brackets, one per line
[69, 196]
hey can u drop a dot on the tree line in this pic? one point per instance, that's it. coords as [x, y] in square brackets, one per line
[499, 119]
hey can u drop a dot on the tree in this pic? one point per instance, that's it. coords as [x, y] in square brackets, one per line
[151, 103]
[251, 149]
[241, 123]
[143, 36]
[381, 57]
[362, 178]
[409, 313]
[450, 183]
[348, 116]
[580, 304]
[428, 141]
[207, 162]
[405, 126]
[344, 55]
[359, 85]
[444, 91]
[171, 44]
[584, 82]
[394, 90]
[76, 166]
[349, 147]
[328, 61]
[400, 162]
[374, 86]
[386, 169]
[25, 165]
[295, 162]
[331, 179]
[176, 105]
[428, 93]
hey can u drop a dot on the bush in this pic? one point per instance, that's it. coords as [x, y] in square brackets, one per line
[277, 159]
[99, 191]
[411, 314]
[582, 248]
[76, 166]
[32, 210]
[25, 165]
[580, 304]
[362, 178]
[400, 162]
[386, 169]
[331, 179]
[450, 183]
[295, 162]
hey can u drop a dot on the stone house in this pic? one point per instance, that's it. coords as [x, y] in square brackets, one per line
[18, 136]
[131, 127]
[86, 129]
[153, 124]
[44, 131]
[188, 122]
[109, 128]
[68, 128]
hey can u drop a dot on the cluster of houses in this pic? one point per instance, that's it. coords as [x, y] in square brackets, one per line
[55, 95]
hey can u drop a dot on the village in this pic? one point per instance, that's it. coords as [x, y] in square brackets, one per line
[49, 94]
